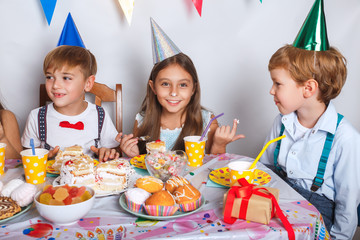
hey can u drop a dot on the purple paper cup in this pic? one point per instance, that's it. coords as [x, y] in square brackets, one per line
[156, 210]
[188, 207]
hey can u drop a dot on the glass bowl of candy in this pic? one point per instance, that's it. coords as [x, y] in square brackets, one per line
[164, 165]
[65, 204]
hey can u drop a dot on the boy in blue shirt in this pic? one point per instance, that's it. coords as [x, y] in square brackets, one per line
[320, 155]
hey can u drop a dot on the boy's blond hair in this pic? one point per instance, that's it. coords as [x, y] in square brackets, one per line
[71, 56]
[328, 68]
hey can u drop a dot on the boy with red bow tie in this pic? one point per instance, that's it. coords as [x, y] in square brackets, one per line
[70, 120]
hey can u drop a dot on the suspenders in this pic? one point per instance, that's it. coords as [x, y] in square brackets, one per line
[318, 180]
[101, 116]
[42, 125]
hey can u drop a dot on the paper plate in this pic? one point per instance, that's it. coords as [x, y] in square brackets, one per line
[23, 210]
[51, 170]
[139, 161]
[122, 202]
[222, 176]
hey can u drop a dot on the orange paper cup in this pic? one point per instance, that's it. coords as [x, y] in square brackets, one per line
[2, 158]
[240, 169]
[34, 165]
[195, 150]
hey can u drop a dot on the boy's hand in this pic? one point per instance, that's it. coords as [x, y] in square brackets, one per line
[105, 154]
[128, 144]
[53, 152]
[223, 136]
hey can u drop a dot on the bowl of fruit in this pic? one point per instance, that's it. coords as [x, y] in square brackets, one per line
[65, 204]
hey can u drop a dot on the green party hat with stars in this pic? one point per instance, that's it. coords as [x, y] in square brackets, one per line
[313, 35]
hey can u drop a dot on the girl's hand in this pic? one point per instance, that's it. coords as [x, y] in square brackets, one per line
[2, 132]
[223, 136]
[105, 154]
[128, 144]
[53, 152]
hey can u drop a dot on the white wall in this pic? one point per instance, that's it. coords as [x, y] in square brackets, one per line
[230, 45]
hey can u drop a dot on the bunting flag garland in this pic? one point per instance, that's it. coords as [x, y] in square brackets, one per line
[48, 7]
[198, 5]
[162, 46]
[313, 34]
[128, 8]
[70, 34]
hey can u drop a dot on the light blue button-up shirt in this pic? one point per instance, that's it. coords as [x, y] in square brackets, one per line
[300, 159]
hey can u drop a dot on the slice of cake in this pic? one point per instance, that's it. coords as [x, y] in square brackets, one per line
[69, 153]
[157, 145]
[113, 175]
[79, 170]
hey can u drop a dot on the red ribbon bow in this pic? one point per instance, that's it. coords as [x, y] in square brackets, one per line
[245, 191]
[77, 126]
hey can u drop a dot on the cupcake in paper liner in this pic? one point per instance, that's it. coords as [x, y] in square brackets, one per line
[161, 203]
[135, 199]
[188, 198]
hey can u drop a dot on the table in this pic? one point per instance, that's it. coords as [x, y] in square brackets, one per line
[107, 220]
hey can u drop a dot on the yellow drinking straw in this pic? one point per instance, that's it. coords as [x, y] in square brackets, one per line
[263, 150]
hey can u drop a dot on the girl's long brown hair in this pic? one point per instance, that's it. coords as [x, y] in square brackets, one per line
[151, 108]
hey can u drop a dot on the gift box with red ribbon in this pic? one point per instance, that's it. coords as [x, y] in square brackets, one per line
[253, 203]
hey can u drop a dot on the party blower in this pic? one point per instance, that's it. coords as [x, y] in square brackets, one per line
[263, 150]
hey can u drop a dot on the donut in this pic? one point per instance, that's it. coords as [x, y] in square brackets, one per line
[150, 184]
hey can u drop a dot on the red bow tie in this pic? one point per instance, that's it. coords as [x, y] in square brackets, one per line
[77, 126]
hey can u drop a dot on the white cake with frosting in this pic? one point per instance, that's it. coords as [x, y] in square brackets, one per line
[79, 170]
[106, 177]
[113, 175]
[69, 153]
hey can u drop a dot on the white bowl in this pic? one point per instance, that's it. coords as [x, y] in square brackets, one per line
[65, 214]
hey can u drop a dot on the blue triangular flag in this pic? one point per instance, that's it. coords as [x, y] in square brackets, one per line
[70, 35]
[48, 7]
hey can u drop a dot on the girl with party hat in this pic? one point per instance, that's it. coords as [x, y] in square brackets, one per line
[171, 109]
[320, 155]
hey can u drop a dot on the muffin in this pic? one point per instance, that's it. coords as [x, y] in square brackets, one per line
[150, 184]
[161, 203]
[158, 146]
[174, 182]
[188, 197]
[135, 198]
